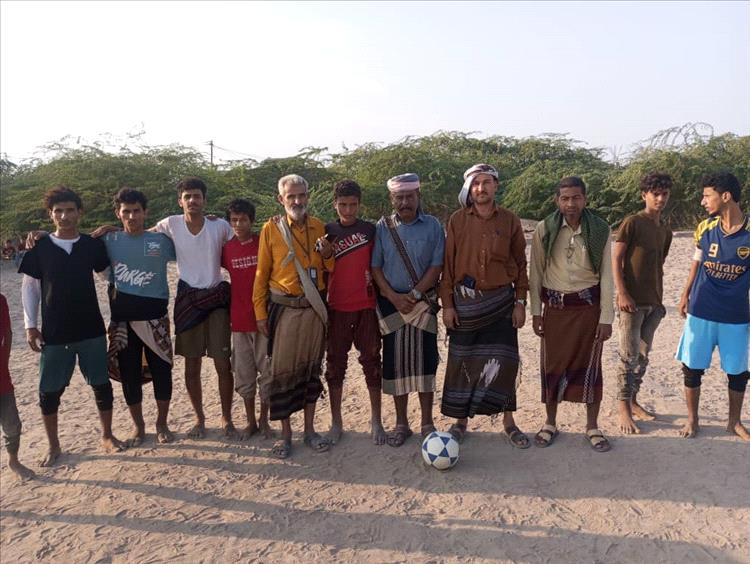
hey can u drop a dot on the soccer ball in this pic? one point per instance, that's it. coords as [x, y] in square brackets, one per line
[440, 450]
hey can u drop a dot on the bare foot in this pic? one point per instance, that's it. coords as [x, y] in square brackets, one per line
[266, 431]
[22, 472]
[379, 436]
[230, 431]
[51, 457]
[198, 431]
[247, 432]
[163, 434]
[641, 413]
[627, 425]
[334, 434]
[136, 439]
[739, 430]
[690, 430]
[111, 444]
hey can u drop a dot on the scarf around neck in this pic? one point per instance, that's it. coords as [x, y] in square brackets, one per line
[594, 230]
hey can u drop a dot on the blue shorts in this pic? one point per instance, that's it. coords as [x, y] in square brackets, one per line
[700, 336]
[58, 362]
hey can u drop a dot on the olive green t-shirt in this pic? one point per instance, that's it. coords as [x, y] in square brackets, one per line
[647, 249]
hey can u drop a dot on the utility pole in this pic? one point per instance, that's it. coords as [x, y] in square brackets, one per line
[211, 144]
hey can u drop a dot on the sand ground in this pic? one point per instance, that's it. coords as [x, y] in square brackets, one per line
[654, 498]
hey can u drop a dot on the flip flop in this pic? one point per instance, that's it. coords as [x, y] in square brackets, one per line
[281, 449]
[458, 430]
[545, 436]
[597, 440]
[399, 435]
[518, 438]
[317, 442]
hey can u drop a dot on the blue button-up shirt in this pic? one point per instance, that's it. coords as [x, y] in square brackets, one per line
[424, 239]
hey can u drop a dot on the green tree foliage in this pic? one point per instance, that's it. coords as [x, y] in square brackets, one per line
[529, 171]
[686, 165]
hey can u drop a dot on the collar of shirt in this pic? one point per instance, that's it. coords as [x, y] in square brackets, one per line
[419, 218]
[495, 210]
[293, 225]
[576, 231]
[644, 215]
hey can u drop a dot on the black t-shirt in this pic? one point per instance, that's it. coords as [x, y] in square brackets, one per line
[129, 307]
[70, 308]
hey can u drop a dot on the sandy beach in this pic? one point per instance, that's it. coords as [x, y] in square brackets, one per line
[654, 498]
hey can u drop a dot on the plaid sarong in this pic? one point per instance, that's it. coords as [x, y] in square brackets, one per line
[193, 305]
[571, 357]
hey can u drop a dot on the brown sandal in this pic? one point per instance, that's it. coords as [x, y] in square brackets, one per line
[545, 436]
[597, 440]
[458, 430]
[398, 436]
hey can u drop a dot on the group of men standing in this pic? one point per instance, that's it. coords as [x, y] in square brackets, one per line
[301, 289]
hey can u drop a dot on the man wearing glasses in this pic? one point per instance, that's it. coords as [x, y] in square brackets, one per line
[571, 291]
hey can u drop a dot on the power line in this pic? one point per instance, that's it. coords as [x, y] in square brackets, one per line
[240, 153]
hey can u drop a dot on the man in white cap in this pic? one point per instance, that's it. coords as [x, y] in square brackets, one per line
[483, 292]
[406, 264]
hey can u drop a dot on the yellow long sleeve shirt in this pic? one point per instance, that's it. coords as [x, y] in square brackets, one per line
[272, 250]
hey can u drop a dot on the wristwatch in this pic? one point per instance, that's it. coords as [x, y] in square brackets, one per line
[416, 294]
[521, 301]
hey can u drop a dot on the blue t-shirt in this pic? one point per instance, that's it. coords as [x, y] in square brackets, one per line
[139, 264]
[722, 287]
[424, 240]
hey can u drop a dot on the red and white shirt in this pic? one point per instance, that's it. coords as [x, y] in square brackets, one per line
[350, 286]
[240, 259]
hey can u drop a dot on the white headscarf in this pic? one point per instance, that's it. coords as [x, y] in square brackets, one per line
[464, 196]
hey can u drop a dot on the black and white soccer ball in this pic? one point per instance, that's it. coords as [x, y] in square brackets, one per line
[440, 450]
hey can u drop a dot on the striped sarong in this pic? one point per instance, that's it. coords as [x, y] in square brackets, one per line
[410, 352]
[298, 343]
[571, 357]
[480, 378]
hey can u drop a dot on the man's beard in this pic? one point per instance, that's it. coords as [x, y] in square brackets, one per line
[297, 213]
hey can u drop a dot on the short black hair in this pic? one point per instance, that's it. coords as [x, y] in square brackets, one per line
[571, 182]
[723, 182]
[656, 181]
[239, 205]
[127, 195]
[346, 187]
[191, 183]
[60, 194]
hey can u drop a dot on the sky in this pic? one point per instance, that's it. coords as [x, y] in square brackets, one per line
[268, 79]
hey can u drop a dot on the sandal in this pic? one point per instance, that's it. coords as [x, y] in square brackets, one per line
[517, 437]
[399, 435]
[545, 436]
[425, 430]
[317, 442]
[597, 440]
[458, 430]
[281, 449]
